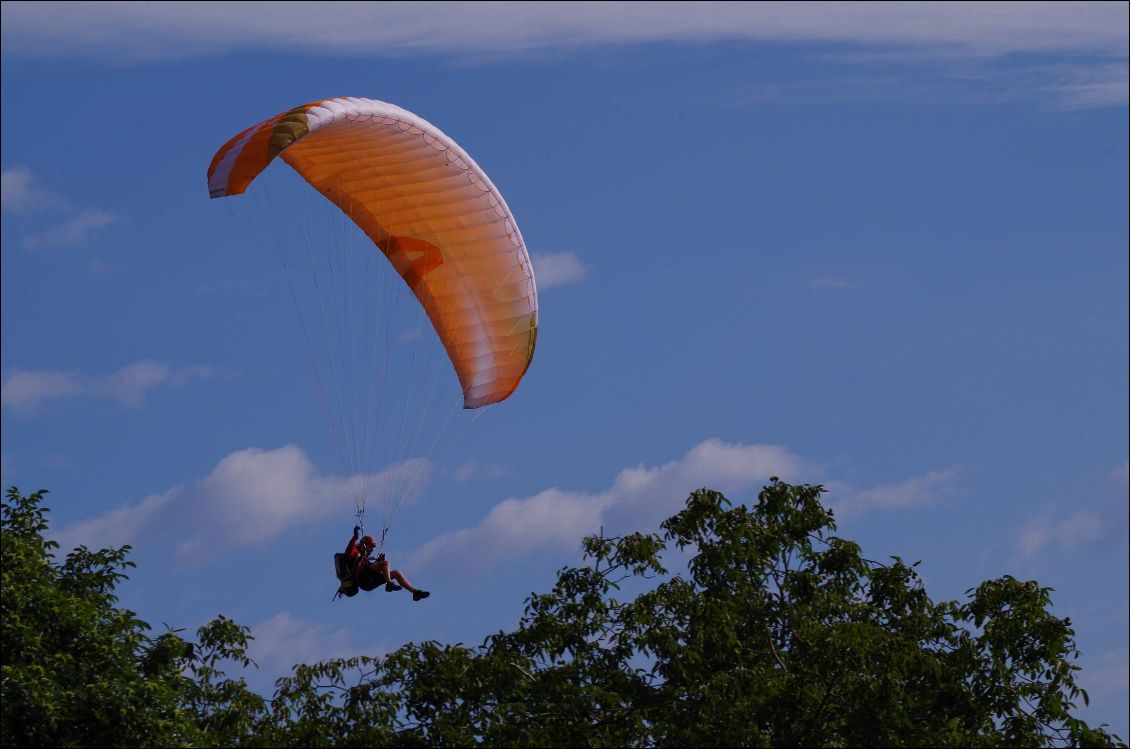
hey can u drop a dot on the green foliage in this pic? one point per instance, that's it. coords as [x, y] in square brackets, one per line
[79, 671]
[779, 634]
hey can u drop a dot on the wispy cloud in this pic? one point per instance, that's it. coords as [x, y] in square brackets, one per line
[557, 269]
[25, 390]
[917, 491]
[473, 469]
[550, 520]
[557, 519]
[913, 75]
[130, 383]
[285, 640]
[250, 498]
[253, 496]
[75, 231]
[58, 224]
[138, 32]
[119, 526]
[1080, 86]
[1068, 533]
[961, 39]
[1083, 528]
[21, 193]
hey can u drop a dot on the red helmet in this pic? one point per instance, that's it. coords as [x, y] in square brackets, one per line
[368, 541]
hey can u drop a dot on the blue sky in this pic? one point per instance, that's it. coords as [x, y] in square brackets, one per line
[875, 246]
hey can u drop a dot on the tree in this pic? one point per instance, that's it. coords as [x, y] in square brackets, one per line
[779, 634]
[79, 671]
[782, 634]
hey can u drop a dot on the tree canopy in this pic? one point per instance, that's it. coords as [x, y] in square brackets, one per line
[80, 671]
[779, 633]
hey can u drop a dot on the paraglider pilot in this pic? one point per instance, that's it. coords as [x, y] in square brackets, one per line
[369, 573]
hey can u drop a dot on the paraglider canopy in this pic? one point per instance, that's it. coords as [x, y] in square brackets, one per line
[428, 207]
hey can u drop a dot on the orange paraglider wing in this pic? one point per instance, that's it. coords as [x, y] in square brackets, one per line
[429, 208]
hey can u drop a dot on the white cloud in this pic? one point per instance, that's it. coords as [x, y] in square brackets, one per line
[19, 192]
[69, 227]
[250, 498]
[1062, 86]
[117, 527]
[138, 32]
[25, 390]
[1080, 529]
[130, 383]
[963, 41]
[552, 519]
[284, 641]
[1086, 86]
[75, 231]
[1068, 533]
[557, 269]
[917, 491]
[253, 496]
[639, 497]
[905, 75]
